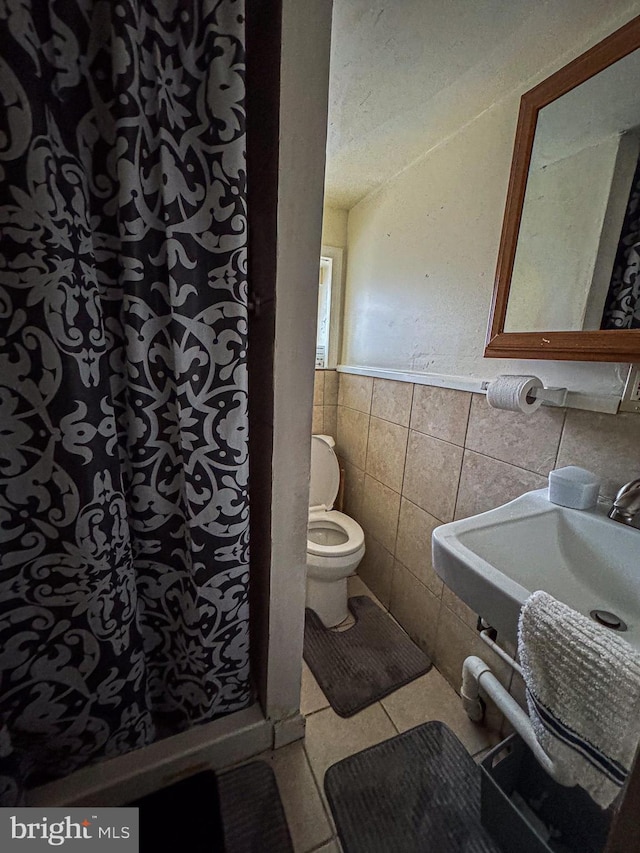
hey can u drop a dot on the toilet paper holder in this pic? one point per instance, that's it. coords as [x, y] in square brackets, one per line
[551, 396]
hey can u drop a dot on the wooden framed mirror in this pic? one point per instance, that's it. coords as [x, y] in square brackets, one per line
[560, 291]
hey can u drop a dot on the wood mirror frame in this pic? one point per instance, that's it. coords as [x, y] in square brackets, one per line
[608, 345]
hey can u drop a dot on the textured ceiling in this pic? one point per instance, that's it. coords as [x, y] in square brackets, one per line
[406, 74]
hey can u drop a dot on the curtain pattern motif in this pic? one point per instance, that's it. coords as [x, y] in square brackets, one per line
[123, 392]
[622, 307]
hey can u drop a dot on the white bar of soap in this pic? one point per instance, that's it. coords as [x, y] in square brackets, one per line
[573, 487]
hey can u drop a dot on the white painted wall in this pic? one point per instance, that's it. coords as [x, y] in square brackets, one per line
[422, 257]
[334, 227]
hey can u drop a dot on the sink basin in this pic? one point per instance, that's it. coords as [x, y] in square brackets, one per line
[495, 560]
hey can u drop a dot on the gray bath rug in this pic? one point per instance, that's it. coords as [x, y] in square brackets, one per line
[251, 810]
[238, 811]
[358, 666]
[416, 793]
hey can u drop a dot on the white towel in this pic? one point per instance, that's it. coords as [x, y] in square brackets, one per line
[583, 692]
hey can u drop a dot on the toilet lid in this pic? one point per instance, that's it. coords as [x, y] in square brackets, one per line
[325, 474]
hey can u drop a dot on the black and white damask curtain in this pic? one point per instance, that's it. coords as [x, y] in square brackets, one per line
[123, 389]
[622, 307]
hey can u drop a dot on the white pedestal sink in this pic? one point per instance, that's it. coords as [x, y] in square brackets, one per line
[495, 560]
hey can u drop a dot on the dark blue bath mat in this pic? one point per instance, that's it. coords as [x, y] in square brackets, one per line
[252, 813]
[237, 811]
[361, 665]
[418, 792]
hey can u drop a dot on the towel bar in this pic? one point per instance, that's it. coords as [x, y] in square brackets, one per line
[476, 676]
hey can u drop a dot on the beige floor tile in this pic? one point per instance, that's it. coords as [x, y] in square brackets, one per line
[308, 822]
[312, 698]
[329, 738]
[432, 698]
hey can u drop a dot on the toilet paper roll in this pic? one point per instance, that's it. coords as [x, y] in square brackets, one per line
[513, 393]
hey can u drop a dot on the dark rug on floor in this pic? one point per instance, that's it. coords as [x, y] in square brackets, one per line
[358, 666]
[252, 813]
[418, 792]
[183, 816]
[238, 811]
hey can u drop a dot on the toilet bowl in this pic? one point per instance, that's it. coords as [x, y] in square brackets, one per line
[335, 542]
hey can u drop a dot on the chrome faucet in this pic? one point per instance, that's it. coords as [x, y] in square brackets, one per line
[627, 503]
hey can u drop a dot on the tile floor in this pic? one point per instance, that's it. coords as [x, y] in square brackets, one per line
[300, 766]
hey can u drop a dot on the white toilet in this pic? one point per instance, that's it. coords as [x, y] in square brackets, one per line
[335, 542]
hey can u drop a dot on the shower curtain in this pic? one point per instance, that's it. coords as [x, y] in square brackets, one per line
[622, 307]
[123, 384]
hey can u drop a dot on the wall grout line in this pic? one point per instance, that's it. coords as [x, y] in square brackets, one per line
[434, 656]
[403, 497]
[466, 426]
[404, 470]
[564, 424]
[317, 710]
[462, 447]
[510, 464]
[438, 438]
[464, 450]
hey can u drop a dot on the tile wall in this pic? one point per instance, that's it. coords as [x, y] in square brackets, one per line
[416, 456]
[325, 402]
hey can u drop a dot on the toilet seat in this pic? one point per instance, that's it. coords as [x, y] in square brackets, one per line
[350, 527]
[325, 473]
[329, 565]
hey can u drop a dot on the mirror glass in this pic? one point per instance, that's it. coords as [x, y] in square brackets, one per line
[581, 210]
